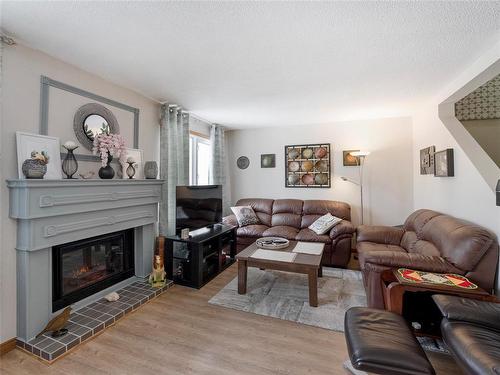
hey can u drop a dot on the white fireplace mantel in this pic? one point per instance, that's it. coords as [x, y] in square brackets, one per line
[54, 212]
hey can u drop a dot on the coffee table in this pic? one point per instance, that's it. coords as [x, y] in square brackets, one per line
[308, 264]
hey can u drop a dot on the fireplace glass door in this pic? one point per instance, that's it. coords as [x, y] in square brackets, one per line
[85, 267]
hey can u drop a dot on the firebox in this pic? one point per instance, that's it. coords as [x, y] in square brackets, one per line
[85, 267]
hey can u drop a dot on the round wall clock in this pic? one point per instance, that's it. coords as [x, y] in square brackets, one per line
[242, 162]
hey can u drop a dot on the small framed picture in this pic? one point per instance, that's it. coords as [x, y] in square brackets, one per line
[268, 160]
[443, 163]
[32, 144]
[427, 160]
[136, 155]
[349, 160]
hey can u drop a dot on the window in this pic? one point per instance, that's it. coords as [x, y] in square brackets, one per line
[199, 163]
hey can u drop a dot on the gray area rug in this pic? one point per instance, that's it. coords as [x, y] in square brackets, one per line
[285, 295]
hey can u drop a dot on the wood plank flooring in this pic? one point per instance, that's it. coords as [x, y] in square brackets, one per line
[180, 333]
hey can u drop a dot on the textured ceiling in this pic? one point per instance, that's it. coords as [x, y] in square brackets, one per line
[266, 63]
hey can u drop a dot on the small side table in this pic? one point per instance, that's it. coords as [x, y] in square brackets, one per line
[393, 290]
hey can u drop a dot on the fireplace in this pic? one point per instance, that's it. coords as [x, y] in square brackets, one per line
[88, 266]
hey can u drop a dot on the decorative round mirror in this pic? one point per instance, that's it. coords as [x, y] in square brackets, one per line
[91, 120]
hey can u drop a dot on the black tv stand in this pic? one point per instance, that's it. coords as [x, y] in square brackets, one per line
[195, 261]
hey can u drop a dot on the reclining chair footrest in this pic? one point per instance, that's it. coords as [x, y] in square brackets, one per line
[381, 342]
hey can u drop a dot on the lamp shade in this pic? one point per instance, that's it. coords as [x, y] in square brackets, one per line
[360, 153]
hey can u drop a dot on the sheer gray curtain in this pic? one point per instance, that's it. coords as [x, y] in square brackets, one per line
[218, 167]
[174, 161]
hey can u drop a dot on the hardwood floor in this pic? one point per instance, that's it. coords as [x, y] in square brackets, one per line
[180, 333]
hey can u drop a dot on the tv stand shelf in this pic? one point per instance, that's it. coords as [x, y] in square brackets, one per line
[207, 252]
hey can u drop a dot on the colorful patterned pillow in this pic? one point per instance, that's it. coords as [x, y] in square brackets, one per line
[324, 223]
[245, 215]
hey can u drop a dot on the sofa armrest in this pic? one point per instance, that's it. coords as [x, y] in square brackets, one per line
[230, 220]
[344, 227]
[414, 261]
[469, 310]
[379, 234]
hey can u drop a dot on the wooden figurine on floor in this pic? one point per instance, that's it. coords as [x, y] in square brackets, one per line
[56, 325]
[158, 276]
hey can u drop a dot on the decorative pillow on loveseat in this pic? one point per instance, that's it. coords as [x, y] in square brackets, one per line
[324, 223]
[245, 215]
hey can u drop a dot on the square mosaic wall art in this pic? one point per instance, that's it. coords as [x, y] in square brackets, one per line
[308, 166]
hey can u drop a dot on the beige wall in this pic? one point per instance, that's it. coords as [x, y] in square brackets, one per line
[388, 170]
[22, 68]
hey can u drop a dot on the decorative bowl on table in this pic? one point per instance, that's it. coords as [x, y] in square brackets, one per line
[272, 243]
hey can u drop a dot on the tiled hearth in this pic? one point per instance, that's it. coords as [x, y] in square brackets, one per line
[91, 320]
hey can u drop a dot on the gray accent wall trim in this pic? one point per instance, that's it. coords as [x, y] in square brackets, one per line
[46, 83]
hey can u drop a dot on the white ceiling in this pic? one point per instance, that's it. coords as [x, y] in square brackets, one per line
[248, 64]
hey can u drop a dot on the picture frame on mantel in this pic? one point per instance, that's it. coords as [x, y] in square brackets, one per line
[137, 155]
[27, 143]
[47, 83]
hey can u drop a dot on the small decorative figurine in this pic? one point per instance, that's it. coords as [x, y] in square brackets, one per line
[56, 325]
[158, 277]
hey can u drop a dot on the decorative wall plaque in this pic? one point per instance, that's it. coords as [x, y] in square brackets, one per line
[308, 166]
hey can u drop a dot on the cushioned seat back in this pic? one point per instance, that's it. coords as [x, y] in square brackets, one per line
[313, 209]
[461, 243]
[287, 212]
[262, 207]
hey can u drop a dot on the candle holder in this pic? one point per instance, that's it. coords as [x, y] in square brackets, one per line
[130, 169]
[69, 164]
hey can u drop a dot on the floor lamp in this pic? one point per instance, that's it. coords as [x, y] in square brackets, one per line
[360, 158]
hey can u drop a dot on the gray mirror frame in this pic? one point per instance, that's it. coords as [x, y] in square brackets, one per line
[92, 109]
[46, 83]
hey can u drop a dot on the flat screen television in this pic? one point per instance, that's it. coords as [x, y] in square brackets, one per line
[198, 206]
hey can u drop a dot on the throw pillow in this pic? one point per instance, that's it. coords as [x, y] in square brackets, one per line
[245, 215]
[324, 223]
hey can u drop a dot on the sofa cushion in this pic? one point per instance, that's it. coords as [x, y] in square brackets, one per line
[416, 221]
[263, 208]
[291, 206]
[461, 243]
[245, 215]
[254, 231]
[364, 248]
[308, 235]
[281, 231]
[321, 207]
[324, 223]
[286, 219]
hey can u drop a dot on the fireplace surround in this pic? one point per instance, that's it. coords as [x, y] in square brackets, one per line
[52, 213]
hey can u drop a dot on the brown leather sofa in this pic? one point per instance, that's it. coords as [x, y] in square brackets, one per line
[290, 218]
[428, 241]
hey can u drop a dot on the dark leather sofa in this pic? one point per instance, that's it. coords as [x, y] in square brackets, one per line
[471, 330]
[290, 218]
[428, 241]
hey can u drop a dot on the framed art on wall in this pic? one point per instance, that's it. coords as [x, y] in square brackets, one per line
[427, 160]
[28, 144]
[137, 156]
[350, 160]
[268, 160]
[443, 163]
[308, 166]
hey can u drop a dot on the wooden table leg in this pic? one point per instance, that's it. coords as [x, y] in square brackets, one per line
[394, 298]
[320, 271]
[242, 276]
[313, 288]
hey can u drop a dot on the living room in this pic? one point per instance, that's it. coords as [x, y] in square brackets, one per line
[314, 185]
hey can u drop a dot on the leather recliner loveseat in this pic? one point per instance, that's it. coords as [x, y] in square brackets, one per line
[429, 241]
[290, 218]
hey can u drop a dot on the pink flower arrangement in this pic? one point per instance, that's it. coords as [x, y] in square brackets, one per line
[109, 144]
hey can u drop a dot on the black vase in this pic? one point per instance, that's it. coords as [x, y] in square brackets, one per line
[107, 172]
